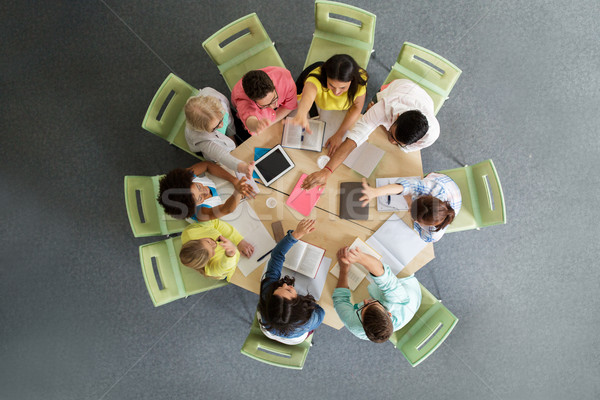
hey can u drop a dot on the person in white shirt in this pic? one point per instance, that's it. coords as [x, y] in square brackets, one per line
[404, 110]
[209, 129]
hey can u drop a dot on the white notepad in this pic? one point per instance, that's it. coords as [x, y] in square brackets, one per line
[245, 220]
[397, 243]
[357, 272]
[394, 202]
[364, 159]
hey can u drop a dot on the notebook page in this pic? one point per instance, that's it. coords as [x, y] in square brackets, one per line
[311, 260]
[394, 202]
[305, 285]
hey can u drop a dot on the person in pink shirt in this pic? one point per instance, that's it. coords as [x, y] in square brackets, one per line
[263, 97]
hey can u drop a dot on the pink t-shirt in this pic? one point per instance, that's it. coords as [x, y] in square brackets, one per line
[284, 86]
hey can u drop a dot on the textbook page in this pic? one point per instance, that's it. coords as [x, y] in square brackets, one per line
[305, 285]
[295, 137]
[397, 242]
[245, 220]
[311, 260]
[294, 255]
[364, 159]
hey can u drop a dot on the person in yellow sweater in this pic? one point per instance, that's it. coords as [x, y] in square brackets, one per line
[213, 248]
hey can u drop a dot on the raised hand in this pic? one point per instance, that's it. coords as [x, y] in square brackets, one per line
[301, 120]
[243, 188]
[305, 226]
[246, 169]
[263, 124]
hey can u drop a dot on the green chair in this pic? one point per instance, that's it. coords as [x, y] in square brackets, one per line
[263, 349]
[166, 278]
[242, 46]
[335, 34]
[426, 331]
[146, 216]
[165, 116]
[432, 72]
[482, 197]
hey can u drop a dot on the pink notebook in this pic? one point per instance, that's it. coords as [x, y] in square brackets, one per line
[304, 201]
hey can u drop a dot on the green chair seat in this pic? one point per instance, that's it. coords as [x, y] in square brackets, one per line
[436, 75]
[482, 197]
[426, 331]
[334, 35]
[268, 351]
[151, 219]
[241, 46]
[171, 280]
[165, 116]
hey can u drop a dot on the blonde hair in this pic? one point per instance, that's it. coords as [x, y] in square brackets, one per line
[194, 255]
[200, 111]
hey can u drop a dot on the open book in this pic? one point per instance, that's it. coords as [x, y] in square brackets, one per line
[304, 258]
[397, 243]
[357, 272]
[295, 137]
[394, 202]
[364, 159]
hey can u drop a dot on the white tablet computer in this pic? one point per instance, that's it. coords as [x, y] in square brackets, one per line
[274, 164]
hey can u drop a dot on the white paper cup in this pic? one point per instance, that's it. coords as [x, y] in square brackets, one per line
[271, 202]
[322, 161]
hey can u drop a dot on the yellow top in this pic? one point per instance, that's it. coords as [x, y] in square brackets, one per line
[219, 266]
[326, 100]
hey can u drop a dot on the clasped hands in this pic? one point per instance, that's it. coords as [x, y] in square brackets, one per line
[245, 248]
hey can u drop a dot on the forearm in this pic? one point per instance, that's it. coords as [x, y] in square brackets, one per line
[219, 172]
[278, 255]
[343, 279]
[388, 190]
[281, 113]
[252, 123]
[230, 204]
[309, 93]
[373, 265]
[341, 153]
[350, 119]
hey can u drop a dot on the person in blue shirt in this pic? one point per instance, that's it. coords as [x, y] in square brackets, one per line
[393, 303]
[284, 315]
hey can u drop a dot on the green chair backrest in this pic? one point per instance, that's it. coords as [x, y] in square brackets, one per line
[263, 349]
[432, 72]
[339, 25]
[166, 278]
[146, 216]
[483, 199]
[165, 116]
[242, 46]
[426, 331]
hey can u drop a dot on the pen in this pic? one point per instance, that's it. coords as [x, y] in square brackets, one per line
[263, 256]
[389, 200]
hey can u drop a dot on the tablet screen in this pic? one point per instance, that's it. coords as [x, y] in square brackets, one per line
[273, 165]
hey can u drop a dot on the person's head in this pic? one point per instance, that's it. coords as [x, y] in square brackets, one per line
[341, 74]
[376, 321]
[431, 211]
[409, 128]
[179, 194]
[282, 308]
[260, 89]
[196, 253]
[204, 113]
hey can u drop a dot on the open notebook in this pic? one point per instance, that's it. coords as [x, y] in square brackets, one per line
[394, 202]
[295, 137]
[357, 272]
[304, 258]
[397, 243]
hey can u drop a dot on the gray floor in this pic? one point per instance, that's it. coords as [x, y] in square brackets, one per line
[76, 320]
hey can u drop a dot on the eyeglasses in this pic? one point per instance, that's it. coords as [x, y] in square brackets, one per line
[274, 101]
[217, 127]
[359, 311]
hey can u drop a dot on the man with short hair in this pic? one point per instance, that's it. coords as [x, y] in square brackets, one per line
[404, 110]
[393, 303]
[263, 97]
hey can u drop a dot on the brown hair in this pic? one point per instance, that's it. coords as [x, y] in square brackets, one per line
[194, 255]
[430, 210]
[257, 84]
[200, 111]
[377, 324]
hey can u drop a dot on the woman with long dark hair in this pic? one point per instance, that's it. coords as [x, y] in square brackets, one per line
[284, 315]
[337, 84]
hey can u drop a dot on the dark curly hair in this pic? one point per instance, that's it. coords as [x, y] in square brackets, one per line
[257, 84]
[411, 126]
[343, 68]
[430, 211]
[175, 194]
[281, 315]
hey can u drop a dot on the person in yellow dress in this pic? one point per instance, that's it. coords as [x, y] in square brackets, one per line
[337, 84]
[213, 248]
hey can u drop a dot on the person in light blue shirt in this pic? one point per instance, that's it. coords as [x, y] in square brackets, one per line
[285, 315]
[394, 301]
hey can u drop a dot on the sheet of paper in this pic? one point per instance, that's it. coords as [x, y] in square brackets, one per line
[333, 120]
[397, 242]
[396, 202]
[305, 285]
[364, 159]
[245, 220]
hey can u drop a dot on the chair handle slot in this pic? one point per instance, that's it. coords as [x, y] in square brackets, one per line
[430, 336]
[488, 191]
[164, 106]
[159, 281]
[234, 37]
[345, 18]
[430, 65]
[274, 353]
[140, 208]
